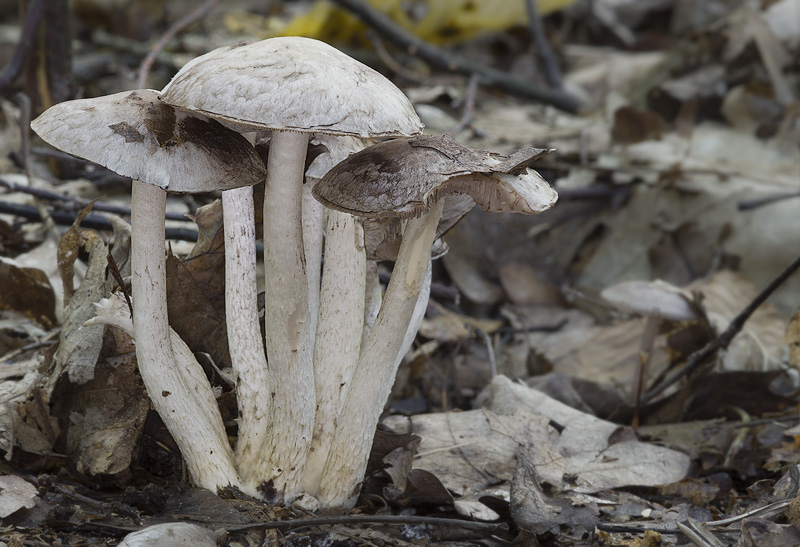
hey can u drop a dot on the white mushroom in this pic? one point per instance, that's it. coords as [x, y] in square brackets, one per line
[292, 87]
[163, 150]
[408, 178]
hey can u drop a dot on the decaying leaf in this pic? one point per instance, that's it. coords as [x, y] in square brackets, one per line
[27, 290]
[15, 383]
[79, 345]
[793, 340]
[105, 415]
[16, 493]
[596, 454]
[535, 511]
[195, 288]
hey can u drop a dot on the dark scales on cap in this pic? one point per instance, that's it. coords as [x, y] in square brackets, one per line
[125, 130]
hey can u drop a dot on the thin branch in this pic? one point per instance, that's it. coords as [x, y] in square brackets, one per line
[91, 221]
[23, 49]
[552, 73]
[724, 339]
[372, 519]
[444, 60]
[179, 25]
[49, 195]
[769, 200]
[469, 106]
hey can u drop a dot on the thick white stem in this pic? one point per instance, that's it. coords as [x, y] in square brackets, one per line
[288, 325]
[313, 230]
[176, 384]
[244, 332]
[416, 317]
[339, 328]
[376, 369]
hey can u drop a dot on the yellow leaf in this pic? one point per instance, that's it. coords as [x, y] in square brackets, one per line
[436, 21]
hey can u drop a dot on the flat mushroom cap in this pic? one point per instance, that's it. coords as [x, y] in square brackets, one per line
[136, 135]
[403, 177]
[293, 84]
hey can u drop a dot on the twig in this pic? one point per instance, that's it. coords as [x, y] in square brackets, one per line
[294, 524]
[23, 49]
[490, 350]
[372, 519]
[444, 60]
[469, 106]
[552, 73]
[92, 221]
[439, 291]
[724, 339]
[41, 193]
[175, 28]
[769, 200]
[389, 61]
[24, 103]
[112, 267]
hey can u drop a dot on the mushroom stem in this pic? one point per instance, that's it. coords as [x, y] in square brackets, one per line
[373, 298]
[339, 328]
[288, 324]
[244, 333]
[377, 365]
[175, 382]
[313, 230]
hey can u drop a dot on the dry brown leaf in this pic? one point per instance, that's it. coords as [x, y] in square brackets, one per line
[444, 325]
[27, 290]
[793, 340]
[196, 290]
[760, 345]
[105, 416]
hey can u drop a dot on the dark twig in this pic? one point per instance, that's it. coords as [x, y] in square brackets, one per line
[91, 221]
[372, 519]
[769, 200]
[723, 339]
[439, 292]
[387, 59]
[23, 49]
[112, 267]
[444, 60]
[49, 195]
[552, 73]
[469, 106]
[179, 25]
[286, 525]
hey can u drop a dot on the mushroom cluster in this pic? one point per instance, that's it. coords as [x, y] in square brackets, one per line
[328, 327]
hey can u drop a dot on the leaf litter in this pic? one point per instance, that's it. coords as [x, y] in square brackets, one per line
[684, 168]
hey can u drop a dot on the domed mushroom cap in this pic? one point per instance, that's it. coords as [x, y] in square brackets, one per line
[294, 84]
[403, 177]
[136, 135]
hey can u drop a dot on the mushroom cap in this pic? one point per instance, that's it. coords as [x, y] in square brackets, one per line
[292, 84]
[650, 297]
[403, 177]
[136, 135]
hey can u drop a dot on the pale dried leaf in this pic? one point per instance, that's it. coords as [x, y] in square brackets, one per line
[16, 493]
[15, 383]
